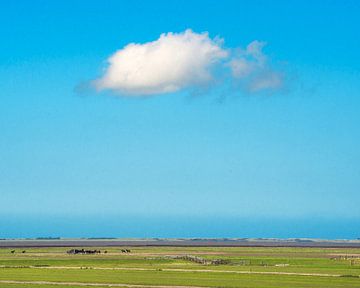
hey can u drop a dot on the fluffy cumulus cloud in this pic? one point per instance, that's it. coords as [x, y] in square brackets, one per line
[178, 61]
[171, 63]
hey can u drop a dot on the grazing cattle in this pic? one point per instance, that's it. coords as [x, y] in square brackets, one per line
[12, 251]
[23, 251]
[83, 251]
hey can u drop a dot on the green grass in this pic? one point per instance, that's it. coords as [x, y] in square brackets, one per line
[157, 259]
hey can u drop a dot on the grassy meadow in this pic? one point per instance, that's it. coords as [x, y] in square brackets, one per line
[167, 266]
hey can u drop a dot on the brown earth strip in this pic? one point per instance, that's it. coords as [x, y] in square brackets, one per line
[180, 270]
[93, 284]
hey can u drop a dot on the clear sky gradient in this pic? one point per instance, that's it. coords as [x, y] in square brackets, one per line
[71, 153]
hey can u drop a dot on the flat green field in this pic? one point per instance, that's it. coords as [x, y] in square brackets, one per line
[168, 266]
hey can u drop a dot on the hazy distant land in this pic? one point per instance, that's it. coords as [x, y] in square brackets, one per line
[180, 242]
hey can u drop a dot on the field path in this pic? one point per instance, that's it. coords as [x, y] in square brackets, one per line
[94, 284]
[179, 270]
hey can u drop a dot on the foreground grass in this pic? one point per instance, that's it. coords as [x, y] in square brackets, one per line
[156, 260]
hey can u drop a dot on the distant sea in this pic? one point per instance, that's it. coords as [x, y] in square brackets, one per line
[176, 227]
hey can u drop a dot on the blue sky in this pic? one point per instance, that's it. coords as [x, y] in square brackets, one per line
[66, 151]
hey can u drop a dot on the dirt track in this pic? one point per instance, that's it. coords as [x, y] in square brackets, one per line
[92, 284]
[181, 270]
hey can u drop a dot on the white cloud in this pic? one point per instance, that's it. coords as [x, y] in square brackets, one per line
[171, 63]
[177, 61]
[251, 67]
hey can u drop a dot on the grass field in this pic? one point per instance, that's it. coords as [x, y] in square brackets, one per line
[166, 267]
